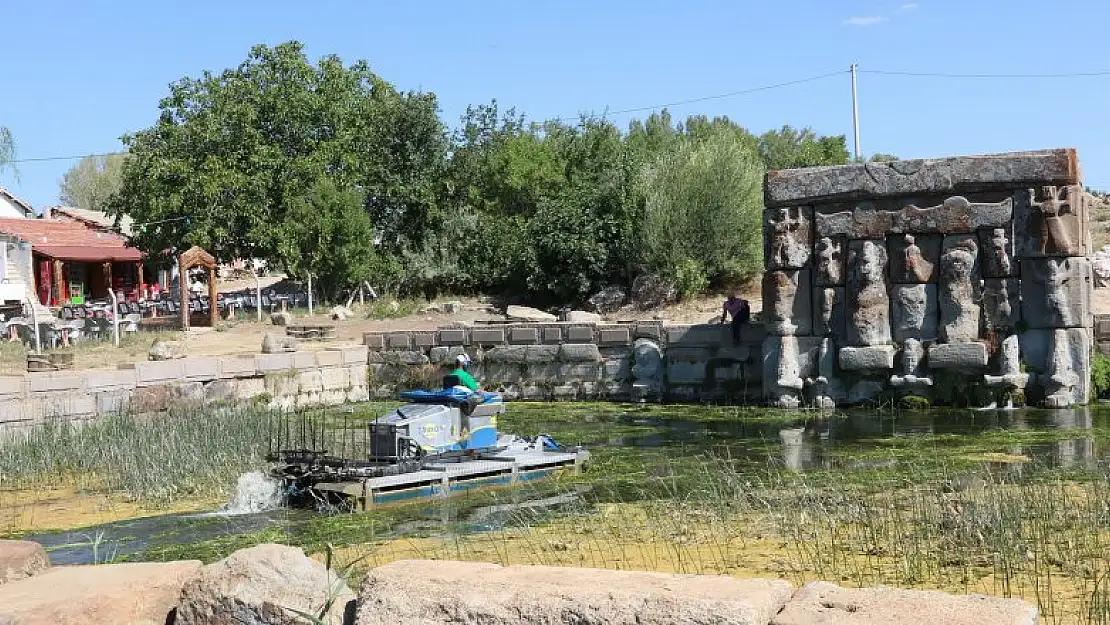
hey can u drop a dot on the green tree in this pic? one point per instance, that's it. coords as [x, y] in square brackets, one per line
[703, 205]
[92, 182]
[790, 148]
[231, 153]
[7, 148]
[880, 157]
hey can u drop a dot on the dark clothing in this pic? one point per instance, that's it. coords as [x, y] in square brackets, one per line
[741, 312]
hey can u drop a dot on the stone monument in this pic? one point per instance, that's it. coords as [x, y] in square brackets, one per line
[882, 276]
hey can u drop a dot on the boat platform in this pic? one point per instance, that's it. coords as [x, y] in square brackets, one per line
[441, 479]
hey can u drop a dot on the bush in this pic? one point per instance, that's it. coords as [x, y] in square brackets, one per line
[691, 278]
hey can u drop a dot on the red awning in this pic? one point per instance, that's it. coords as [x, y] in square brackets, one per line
[90, 254]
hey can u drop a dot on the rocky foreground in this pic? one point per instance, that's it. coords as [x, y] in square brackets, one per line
[279, 585]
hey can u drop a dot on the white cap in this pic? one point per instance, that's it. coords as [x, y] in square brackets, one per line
[462, 359]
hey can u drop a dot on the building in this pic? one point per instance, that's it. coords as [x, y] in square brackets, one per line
[96, 220]
[14, 207]
[66, 262]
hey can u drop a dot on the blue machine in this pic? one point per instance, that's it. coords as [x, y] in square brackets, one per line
[437, 422]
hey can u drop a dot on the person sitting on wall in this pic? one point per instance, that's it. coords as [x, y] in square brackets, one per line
[740, 311]
[462, 363]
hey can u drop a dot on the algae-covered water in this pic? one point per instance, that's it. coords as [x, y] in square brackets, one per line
[643, 454]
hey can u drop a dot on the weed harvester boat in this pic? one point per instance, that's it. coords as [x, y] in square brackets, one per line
[437, 443]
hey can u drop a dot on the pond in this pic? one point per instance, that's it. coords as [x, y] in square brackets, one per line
[652, 453]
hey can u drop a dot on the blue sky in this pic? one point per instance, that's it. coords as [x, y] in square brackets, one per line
[77, 75]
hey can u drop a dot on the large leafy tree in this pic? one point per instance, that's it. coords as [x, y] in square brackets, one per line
[790, 148]
[92, 182]
[7, 147]
[232, 155]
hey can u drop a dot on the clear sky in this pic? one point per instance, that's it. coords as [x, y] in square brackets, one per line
[79, 74]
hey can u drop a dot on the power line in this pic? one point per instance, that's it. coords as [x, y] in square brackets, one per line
[41, 159]
[950, 75]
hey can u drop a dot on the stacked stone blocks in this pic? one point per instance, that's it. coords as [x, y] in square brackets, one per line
[883, 277]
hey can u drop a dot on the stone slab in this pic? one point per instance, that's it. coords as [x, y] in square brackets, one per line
[355, 354]
[787, 237]
[158, 371]
[614, 336]
[13, 384]
[522, 354]
[1067, 230]
[552, 335]
[524, 336]
[62, 404]
[266, 363]
[787, 305]
[957, 356]
[452, 336]
[580, 334]
[1001, 303]
[1036, 353]
[114, 401]
[20, 559]
[329, 358]
[50, 381]
[237, 366]
[923, 254]
[525, 595]
[914, 312]
[960, 174]
[487, 336]
[405, 357]
[956, 215]
[808, 348]
[827, 604]
[398, 340]
[99, 380]
[654, 331]
[1055, 293]
[374, 340]
[202, 368]
[875, 358]
[581, 352]
[423, 339]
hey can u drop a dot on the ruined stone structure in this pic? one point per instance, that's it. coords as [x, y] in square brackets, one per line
[928, 277]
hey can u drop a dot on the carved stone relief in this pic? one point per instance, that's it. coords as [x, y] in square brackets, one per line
[998, 253]
[788, 235]
[830, 255]
[1055, 292]
[828, 318]
[1056, 225]
[959, 291]
[786, 302]
[914, 311]
[1001, 304]
[868, 303]
[914, 258]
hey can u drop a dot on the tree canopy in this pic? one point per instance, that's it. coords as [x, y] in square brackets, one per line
[7, 147]
[92, 182]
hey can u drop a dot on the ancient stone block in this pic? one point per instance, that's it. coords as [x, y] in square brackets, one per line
[158, 371]
[423, 339]
[201, 368]
[398, 340]
[912, 376]
[114, 401]
[873, 358]
[1009, 375]
[685, 372]
[997, 253]
[374, 340]
[914, 311]
[647, 369]
[1056, 225]
[580, 334]
[452, 336]
[1049, 354]
[265, 363]
[1001, 304]
[829, 262]
[972, 355]
[786, 302]
[15, 384]
[527, 336]
[653, 331]
[48, 381]
[405, 357]
[111, 379]
[868, 303]
[553, 335]
[959, 289]
[487, 336]
[962, 174]
[1055, 292]
[787, 237]
[611, 336]
[582, 352]
[829, 313]
[578, 371]
[522, 354]
[914, 257]
[702, 335]
[444, 355]
[787, 361]
[956, 215]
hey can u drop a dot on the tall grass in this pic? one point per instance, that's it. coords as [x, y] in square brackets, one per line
[148, 457]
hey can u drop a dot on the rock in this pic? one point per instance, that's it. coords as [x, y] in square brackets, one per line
[431, 308]
[581, 316]
[958, 355]
[521, 595]
[259, 586]
[109, 594]
[522, 354]
[341, 313]
[579, 352]
[281, 318]
[524, 313]
[453, 307]
[608, 300]
[963, 174]
[647, 369]
[272, 344]
[653, 291]
[20, 559]
[821, 602]
[873, 358]
[444, 355]
[166, 350]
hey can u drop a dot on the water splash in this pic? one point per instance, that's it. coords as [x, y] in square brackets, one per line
[254, 492]
[990, 406]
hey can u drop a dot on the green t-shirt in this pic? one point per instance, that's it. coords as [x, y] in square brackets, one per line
[467, 380]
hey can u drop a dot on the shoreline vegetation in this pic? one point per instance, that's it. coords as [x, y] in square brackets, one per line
[691, 489]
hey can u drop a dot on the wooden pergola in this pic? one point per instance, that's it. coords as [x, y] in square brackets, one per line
[196, 257]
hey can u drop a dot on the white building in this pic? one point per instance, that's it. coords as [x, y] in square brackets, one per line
[13, 206]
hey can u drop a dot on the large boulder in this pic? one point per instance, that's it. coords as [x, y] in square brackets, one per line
[272, 344]
[581, 316]
[821, 602]
[341, 313]
[653, 291]
[166, 350]
[134, 593]
[281, 318]
[264, 585]
[524, 313]
[610, 299]
[20, 559]
[469, 592]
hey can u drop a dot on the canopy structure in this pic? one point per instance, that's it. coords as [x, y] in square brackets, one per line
[197, 257]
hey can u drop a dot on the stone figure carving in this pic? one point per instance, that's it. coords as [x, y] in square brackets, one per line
[911, 302]
[829, 266]
[827, 303]
[788, 379]
[998, 258]
[958, 307]
[1055, 278]
[1054, 229]
[784, 288]
[870, 303]
[914, 265]
[1009, 376]
[998, 304]
[787, 250]
[1061, 379]
[819, 386]
[912, 371]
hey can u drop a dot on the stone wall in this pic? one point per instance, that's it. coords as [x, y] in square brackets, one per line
[965, 275]
[329, 377]
[548, 361]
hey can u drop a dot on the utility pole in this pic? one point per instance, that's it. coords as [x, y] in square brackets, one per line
[855, 110]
